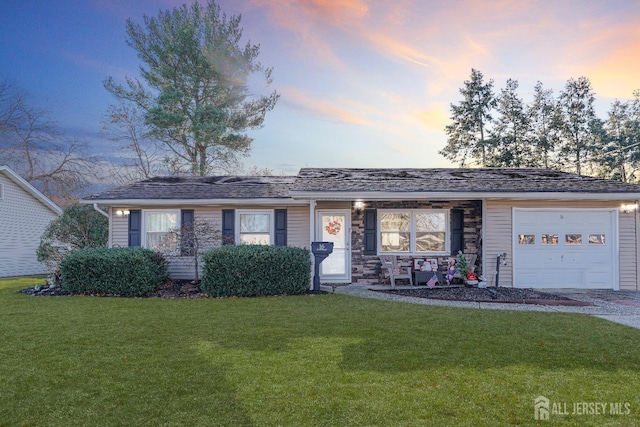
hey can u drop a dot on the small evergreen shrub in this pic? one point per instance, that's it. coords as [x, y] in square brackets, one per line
[253, 270]
[118, 271]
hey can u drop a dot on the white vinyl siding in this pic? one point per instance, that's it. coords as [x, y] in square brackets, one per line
[628, 246]
[298, 227]
[23, 221]
[119, 232]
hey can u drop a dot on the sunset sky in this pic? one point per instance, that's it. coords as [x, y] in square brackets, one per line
[362, 83]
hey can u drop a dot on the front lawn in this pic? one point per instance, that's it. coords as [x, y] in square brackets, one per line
[306, 360]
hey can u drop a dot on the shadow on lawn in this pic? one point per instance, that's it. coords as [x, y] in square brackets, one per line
[541, 345]
[387, 340]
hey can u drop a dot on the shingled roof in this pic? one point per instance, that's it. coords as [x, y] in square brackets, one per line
[351, 184]
[201, 188]
[480, 181]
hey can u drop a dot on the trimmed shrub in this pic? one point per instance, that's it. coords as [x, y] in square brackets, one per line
[253, 270]
[118, 271]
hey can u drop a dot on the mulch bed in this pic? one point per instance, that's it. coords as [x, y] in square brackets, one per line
[501, 295]
[171, 289]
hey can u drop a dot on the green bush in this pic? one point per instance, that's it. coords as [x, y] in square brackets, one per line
[252, 270]
[117, 271]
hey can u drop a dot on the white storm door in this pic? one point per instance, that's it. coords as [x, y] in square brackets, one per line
[334, 226]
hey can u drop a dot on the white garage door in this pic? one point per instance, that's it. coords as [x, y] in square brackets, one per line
[565, 248]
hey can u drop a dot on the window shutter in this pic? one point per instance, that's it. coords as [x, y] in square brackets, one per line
[370, 232]
[457, 231]
[186, 226]
[135, 227]
[281, 227]
[228, 226]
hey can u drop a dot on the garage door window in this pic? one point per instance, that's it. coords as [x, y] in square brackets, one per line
[573, 239]
[596, 239]
[526, 239]
[549, 239]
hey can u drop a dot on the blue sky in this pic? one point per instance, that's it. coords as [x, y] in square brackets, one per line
[362, 83]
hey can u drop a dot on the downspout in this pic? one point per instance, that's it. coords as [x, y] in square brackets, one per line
[97, 209]
[95, 206]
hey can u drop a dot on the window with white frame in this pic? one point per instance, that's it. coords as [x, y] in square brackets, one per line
[159, 229]
[255, 227]
[416, 231]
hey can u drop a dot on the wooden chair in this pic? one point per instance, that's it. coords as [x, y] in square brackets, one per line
[390, 263]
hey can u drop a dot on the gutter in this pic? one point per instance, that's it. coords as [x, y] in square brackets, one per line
[425, 195]
[198, 202]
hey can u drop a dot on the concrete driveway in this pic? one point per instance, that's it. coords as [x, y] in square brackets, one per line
[617, 306]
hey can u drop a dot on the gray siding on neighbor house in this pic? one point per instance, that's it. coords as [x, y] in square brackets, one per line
[182, 267]
[23, 220]
[498, 237]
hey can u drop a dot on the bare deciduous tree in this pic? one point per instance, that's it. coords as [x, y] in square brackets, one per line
[191, 241]
[140, 156]
[31, 145]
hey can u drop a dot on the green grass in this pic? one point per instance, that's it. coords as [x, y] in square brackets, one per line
[307, 360]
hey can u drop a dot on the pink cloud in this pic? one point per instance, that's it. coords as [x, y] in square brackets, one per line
[323, 107]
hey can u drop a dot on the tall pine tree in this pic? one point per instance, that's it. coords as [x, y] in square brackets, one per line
[467, 136]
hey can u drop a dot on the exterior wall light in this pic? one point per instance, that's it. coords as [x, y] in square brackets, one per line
[629, 208]
[359, 206]
[123, 212]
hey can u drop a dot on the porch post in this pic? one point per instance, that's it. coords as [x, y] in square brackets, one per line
[312, 233]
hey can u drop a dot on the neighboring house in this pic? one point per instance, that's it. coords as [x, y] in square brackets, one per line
[557, 229]
[25, 214]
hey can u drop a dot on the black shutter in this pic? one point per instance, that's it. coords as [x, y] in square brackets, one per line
[281, 227]
[228, 226]
[457, 231]
[135, 227]
[186, 225]
[370, 232]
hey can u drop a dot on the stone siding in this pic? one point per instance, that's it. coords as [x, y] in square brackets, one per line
[367, 269]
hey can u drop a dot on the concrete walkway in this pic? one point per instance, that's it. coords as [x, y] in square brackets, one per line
[617, 306]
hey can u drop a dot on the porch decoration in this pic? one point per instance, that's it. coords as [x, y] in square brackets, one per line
[333, 227]
[465, 269]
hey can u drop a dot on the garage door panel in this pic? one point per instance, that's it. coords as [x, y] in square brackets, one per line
[572, 248]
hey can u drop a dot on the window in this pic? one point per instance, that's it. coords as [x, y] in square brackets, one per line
[596, 239]
[526, 239]
[549, 239]
[159, 229]
[414, 231]
[255, 227]
[573, 239]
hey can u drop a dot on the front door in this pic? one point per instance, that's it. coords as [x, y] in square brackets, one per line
[335, 226]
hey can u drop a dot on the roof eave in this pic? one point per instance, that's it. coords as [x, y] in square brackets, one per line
[389, 195]
[24, 184]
